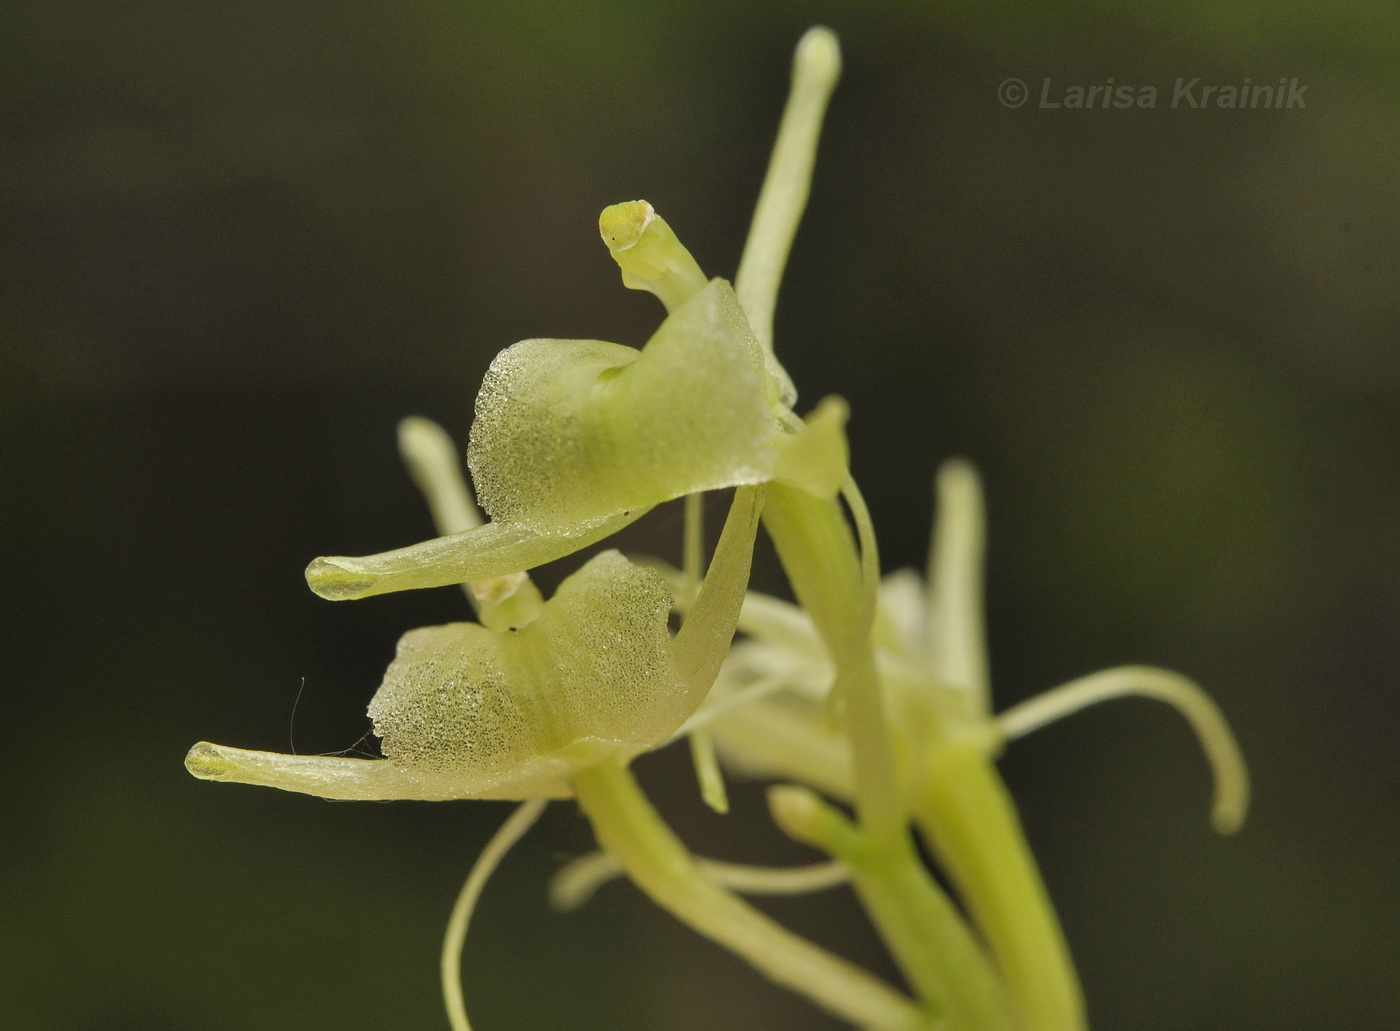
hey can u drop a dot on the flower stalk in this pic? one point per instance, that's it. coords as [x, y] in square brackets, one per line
[631, 831]
[966, 815]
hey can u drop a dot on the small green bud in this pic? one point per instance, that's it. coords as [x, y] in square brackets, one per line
[806, 817]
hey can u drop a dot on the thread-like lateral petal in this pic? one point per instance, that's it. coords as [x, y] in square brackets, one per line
[571, 431]
[454, 940]
[494, 549]
[579, 880]
[1231, 796]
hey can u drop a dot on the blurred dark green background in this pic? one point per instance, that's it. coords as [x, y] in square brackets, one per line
[239, 241]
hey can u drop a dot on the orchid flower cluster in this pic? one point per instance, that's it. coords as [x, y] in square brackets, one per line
[867, 700]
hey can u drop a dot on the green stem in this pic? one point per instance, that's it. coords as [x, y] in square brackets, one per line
[629, 828]
[818, 554]
[929, 940]
[918, 922]
[921, 927]
[965, 813]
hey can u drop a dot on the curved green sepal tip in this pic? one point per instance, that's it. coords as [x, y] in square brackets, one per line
[494, 549]
[590, 676]
[1217, 740]
[571, 431]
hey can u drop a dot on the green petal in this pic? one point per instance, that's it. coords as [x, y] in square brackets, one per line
[817, 459]
[486, 551]
[703, 640]
[370, 780]
[571, 431]
[590, 676]
[784, 738]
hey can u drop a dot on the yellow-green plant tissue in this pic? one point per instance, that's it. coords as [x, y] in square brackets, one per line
[571, 432]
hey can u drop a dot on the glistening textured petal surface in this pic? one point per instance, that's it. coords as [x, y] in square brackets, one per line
[571, 431]
[592, 670]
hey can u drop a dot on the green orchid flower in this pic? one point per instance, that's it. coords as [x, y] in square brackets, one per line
[575, 439]
[513, 706]
[552, 699]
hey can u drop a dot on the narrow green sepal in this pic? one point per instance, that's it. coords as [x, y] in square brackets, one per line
[494, 549]
[703, 640]
[366, 780]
